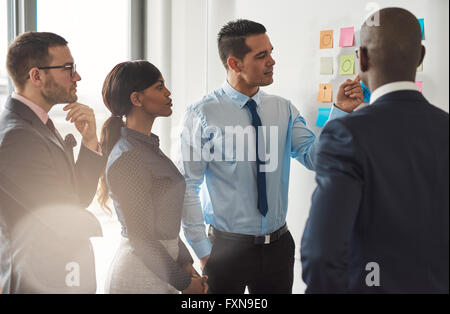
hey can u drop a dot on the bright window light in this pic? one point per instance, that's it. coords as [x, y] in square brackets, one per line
[98, 36]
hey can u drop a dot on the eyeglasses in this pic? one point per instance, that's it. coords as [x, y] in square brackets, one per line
[71, 67]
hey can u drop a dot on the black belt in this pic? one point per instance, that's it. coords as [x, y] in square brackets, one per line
[263, 239]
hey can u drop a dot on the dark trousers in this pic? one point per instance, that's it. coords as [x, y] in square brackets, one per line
[263, 268]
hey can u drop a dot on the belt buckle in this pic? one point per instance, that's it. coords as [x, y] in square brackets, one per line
[267, 239]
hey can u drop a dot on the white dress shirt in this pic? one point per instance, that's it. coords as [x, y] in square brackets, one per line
[392, 87]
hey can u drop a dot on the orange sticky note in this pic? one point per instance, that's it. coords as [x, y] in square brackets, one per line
[326, 39]
[325, 93]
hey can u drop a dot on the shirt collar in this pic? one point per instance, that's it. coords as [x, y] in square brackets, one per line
[238, 98]
[41, 113]
[151, 139]
[392, 87]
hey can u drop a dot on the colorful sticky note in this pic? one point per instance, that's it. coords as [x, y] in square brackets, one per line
[325, 93]
[419, 85]
[326, 65]
[322, 116]
[326, 39]
[358, 35]
[366, 92]
[347, 65]
[422, 28]
[420, 68]
[346, 39]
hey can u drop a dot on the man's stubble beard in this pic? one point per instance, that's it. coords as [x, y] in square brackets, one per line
[54, 93]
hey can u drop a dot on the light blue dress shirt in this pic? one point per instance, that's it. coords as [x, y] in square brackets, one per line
[228, 200]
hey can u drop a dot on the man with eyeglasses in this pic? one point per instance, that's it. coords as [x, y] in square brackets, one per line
[44, 237]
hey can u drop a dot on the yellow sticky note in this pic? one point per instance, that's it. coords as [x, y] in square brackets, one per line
[326, 39]
[325, 93]
[347, 65]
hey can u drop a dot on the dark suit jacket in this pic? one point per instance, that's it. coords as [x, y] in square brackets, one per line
[382, 197]
[45, 229]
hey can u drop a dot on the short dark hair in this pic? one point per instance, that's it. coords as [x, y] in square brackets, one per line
[231, 38]
[30, 50]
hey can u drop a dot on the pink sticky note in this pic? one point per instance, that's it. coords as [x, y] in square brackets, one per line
[346, 39]
[419, 85]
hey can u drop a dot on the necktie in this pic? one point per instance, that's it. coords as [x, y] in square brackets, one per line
[51, 126]
[260, 176]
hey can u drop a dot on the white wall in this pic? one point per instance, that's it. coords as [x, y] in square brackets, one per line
[294, 28]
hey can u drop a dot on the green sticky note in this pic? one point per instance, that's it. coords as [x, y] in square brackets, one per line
[347, 65]
[326, 65]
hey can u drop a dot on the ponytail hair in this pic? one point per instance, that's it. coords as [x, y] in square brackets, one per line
[124, 79]
[109, 136]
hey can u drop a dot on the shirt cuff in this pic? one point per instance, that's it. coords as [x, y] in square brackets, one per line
[337, 113]
[201, 248]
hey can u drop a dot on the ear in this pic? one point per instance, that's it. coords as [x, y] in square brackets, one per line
[36, 76]
[422, 56]
[363, 59]
[134, 98]
[234, 64]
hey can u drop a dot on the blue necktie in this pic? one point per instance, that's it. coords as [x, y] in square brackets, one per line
[261, 176]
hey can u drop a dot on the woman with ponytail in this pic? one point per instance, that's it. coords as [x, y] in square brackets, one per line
[146, 188]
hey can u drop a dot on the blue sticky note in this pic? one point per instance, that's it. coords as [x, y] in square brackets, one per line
[359, 37]
[421, 22]
[323, 115]
[366, 92]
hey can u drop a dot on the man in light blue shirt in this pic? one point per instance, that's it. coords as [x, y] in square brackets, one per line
[239, 140]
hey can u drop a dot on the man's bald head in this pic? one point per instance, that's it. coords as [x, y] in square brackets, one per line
[393, 46]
